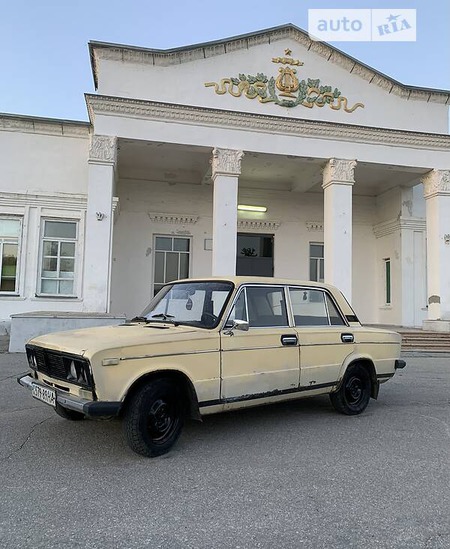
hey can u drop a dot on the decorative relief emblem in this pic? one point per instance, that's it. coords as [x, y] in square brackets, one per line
[307, 92]
[103, 148]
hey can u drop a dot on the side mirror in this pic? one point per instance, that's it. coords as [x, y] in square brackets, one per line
[231, 325]
[240, 325]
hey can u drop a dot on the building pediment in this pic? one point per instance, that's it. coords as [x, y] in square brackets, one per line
[279, 72]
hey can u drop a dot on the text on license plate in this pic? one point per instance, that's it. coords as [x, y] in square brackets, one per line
[45, 394]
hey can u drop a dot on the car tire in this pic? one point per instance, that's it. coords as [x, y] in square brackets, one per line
[154, 418]
[353, 395]
[71, 415]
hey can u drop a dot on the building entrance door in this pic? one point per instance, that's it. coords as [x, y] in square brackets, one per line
[254, 254]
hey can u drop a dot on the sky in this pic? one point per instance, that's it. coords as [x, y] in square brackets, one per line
[44, 60]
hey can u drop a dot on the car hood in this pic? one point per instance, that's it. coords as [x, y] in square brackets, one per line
[88, 341]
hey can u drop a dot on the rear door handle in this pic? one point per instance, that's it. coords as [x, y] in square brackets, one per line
[289, 339]
[347, 338]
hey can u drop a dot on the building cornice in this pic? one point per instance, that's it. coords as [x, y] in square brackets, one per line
[205, 116]
[60, 201]
[254, 224]
[397, 225]
[48, 126]
[314, 226]
[173, 218]
[67, 201]
[175, 56]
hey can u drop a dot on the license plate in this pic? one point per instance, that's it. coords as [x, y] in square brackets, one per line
[44, 394]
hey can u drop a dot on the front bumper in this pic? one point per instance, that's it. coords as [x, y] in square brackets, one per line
[90, 408]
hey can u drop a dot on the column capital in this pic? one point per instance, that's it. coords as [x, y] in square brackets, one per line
[338, 171]
[103, 149]
[436, 182]
[226, 162]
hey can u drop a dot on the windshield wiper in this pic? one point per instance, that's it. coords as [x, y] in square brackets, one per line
[166, 318]
[163, 316]
[139, 319]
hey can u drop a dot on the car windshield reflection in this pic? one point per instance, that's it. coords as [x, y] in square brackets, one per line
[199, 304]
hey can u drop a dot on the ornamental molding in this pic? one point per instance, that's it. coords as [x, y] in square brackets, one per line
[436, 182]
[56, 201]
[249, 224]
[226, 162]
[339, 171]
[314, 225]
[397, 225]
[176, 56]
[62, 128]
[262, 123]
[176, 219]
[63, 201]
[103, 149]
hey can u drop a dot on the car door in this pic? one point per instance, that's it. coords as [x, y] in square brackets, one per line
[264, 360]
[325, 339]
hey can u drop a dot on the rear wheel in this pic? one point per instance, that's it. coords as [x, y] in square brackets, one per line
[71, 415]
[354, 393]
[154, 418]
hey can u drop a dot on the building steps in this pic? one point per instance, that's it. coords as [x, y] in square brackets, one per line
[427, 341]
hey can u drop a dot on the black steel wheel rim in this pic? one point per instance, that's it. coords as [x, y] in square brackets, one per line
[162, 420]
[354, 390]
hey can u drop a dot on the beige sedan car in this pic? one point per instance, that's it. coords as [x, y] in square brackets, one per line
[211, 345]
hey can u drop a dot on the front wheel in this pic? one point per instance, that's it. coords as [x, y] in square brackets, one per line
[154, 418]
[353, 395]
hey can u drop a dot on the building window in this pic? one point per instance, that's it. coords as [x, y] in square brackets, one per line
[172, 258]
[316, 262]
[58, 258]
[10, 231]
[387, 280]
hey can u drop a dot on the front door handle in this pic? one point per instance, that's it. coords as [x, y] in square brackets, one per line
[347, 338]
[289, 339]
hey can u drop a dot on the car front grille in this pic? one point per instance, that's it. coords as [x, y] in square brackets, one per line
[63, 366]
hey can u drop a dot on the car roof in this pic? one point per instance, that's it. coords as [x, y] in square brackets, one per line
[239, 280]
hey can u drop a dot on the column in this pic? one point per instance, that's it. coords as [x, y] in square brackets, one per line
[226, 168]
[99, 224]
[337, 184]
[436, 189]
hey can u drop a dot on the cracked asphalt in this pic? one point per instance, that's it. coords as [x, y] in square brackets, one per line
[294, 475]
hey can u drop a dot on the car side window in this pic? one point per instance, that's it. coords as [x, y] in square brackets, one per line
[309, 307]
[266, 307]
[239, 310]
[335, 317]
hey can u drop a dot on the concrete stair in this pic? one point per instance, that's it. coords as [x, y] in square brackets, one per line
[418, 340]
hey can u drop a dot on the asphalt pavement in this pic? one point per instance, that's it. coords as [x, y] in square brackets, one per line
[292, 475]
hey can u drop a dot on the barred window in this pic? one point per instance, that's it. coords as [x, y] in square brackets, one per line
[172, 258]
[316, 261]
[57, 276]
[10, 232]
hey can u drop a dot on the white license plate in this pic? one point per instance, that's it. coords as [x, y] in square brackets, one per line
[45, 394]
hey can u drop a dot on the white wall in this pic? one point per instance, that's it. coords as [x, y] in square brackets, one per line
[42, 176]
[43, 163]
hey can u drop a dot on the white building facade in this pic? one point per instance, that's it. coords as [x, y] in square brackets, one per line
[346, 173]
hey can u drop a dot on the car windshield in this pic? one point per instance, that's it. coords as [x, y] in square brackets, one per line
[193, 303]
